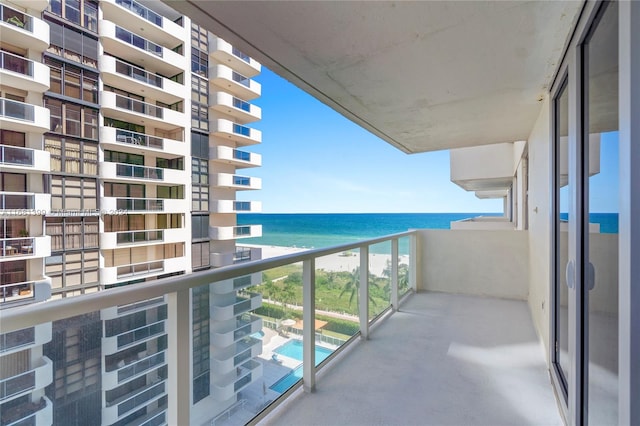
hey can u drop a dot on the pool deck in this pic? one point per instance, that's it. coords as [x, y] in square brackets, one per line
[444, 359]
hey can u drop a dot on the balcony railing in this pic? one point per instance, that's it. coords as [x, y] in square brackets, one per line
[241, 155]
[140, 10]
[239, 78]
[240, 104]
[15, 17]
[17, 110]
[139, 74]
[139, 236]
[139, 42]
[141, 366]
[16, 291]
[241, 55]
[241, 130]
[16, 155]
[242, 206]
[140, 204]
[134, 138]
[17, 384]
[15, 63]
[139, 106]
[242, 254]
[23, 414]
[140, 269]
[242, 180]
[239, 231]
[17, 246]
[177, 291]
[142, 172]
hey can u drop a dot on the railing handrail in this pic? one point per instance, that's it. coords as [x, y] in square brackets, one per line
[146, 73]
[4, 53]
[32, 315]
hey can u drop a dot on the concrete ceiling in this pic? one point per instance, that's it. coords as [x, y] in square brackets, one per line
[423, 76]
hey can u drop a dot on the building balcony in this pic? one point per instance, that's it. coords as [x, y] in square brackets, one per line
[225, 334]
[37, 5]
[241, 254]
[118, 274]
[113, 240]
[135, 366]
[136, 17]
[38, 376]
[230, 384]
[21, 293]
[128, 172]
[236, 284]
[225, 359]
[140, 143]
[222, 233]
[117, 73]
[16, 71]
[225, 53]
[233, 206]
[236, 157]
[18, 158]
[137, 399]
[242, 135]
[230, 181]
[129, 338]
[22, 204]
[145, 205]
[25, 338]
[29, 413]
[229, 308]
[138, 50]
[223, 77]
[138, 112]
[23, 117]
[25, 248]
[241, 111]
[26, 31]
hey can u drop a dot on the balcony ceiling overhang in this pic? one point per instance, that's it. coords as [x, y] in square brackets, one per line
[423, 76]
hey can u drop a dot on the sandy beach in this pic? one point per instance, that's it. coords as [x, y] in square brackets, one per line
[335, 262]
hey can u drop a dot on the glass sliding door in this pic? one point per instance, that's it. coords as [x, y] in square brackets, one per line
[600, 211]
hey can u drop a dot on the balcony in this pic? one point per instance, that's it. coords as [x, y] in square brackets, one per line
[222, 233]
[38, 5]
[19, 29]
[137, 143]
[26, 338]
[229, 181]
[241, 111]
[236, 157]
[144, 205]
[137, 80]
[227, 309]
[13, 157]
[225, 359]
[242, 135]
[128, 172]
[137, 17]
[112, 240]
[138, 112]
[20, 293]
[462, 349]
[135, 400]
[16, 71]
[145, 333]
[236, 84]
[23, 117]
[228, 385]
[118, 274]
[225, 334]
[138, 50]
[232, 206]
[29, 413]
[25, 203]
[236, 284]
[131, 367]
[25, 248]
[225, 53]
[38, 376]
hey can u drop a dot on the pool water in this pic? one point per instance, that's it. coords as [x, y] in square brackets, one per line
[293, 349]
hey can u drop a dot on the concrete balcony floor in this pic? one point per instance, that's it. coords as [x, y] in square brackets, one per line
[443, 359]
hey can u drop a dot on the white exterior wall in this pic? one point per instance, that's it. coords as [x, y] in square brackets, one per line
[487, 263]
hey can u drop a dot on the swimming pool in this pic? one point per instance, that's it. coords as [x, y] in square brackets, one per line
[293, 349]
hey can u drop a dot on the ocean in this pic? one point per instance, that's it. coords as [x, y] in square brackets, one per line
[315, 230]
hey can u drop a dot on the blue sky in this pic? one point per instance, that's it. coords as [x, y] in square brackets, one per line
[316, 161]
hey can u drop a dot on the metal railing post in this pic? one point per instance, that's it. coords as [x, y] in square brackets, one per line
[179, 349]
[309, 321]
[413, 262]
[394, 274]
[364, 292]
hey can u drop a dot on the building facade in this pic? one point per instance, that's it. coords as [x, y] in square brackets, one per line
[114, 173]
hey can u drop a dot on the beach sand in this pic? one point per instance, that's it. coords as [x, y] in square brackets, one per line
[335, 262]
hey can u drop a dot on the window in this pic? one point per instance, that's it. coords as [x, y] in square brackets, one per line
[72, 81]
[199, 198]
[199, 103]
[123, 157]
[199, 171]
[13, 182]
[73, 193]
[199, 62]
[9, 137]
[199, 37]
[200, 329]
[71, 156]
[13, 272]
[200, 255]
[199, 116]
[199, 227]
[170, 163]
[171, 192]
[79, 12]
[112, 189]
[70, 43]
[123, 222]
[73, 233]
[200, 145]
[130, 255]
[119, 124]
[71, 119]
[72, 269]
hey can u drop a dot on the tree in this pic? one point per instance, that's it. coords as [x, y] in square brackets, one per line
[271, 291]
[352, 287]
[287, 294]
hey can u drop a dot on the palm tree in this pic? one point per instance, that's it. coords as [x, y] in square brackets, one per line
[271, 291]
[353, 287]
[288, 294]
